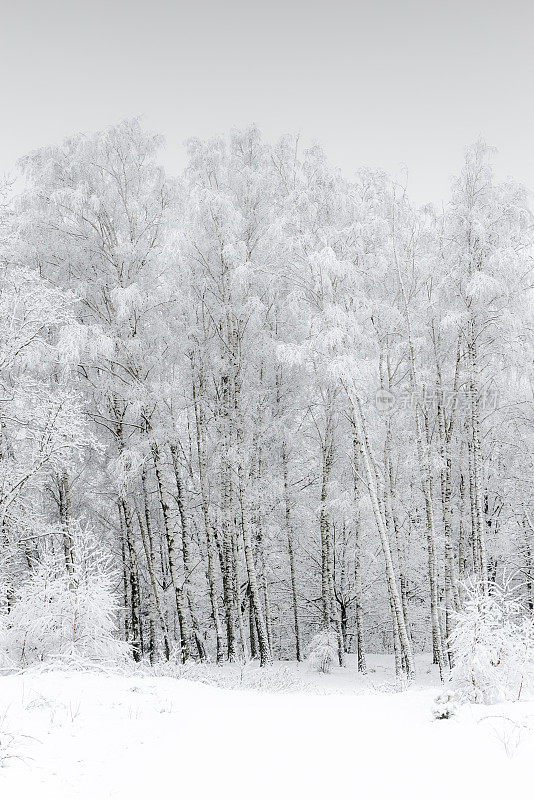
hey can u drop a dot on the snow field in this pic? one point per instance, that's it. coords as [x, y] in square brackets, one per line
[73, 735]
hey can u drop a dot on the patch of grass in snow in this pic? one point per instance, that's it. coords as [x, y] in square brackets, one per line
[509, 732]
[7, 744]
[73, 664]
[67, 711]
[6, 748]
[247, 676]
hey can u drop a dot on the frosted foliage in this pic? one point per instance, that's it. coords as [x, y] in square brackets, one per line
[323, 651]
[492, 645]
[285, 401]
[57, 616]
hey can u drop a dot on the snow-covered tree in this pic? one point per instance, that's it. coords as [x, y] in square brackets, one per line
[68, 617]
[283, 400]
[322, 651]
[493, 644]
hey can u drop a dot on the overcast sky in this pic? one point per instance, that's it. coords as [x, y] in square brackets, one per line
[395, 84]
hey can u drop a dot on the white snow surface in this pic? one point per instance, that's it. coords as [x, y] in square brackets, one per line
[74, 734]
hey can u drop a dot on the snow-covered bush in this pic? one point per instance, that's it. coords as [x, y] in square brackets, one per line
[492, 645]
[61, 615]
[323, 650]
[445, 706]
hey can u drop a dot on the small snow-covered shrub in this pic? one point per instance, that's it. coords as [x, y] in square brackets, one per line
[445, 706]
[492, 645]
[322, 651]
[57, 615]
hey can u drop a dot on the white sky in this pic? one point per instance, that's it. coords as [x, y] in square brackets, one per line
[392, 84]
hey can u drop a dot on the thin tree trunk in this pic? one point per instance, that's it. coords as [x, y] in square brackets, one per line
[148, 545]
[136, 640]
[198, 402]
[358, 599]
[257, 522]
[64, 515]
[263, 643]
[188, 565]
[394, 595]
[125, 583]
[291, 553]
[228, 572]
[476, 454]
[173, 557]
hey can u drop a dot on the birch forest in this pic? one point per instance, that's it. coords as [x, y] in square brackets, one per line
[258, 403]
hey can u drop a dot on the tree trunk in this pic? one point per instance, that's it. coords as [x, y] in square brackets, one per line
[358, 599]
[198, 402]
[399, 622]
[173, 557]
[263, 643]
[188, 565]
[476, 455]
[136, 634]
[148, 545]
[291, 554]
[64, 516]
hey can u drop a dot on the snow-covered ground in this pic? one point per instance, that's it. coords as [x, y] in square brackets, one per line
[69, 735]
